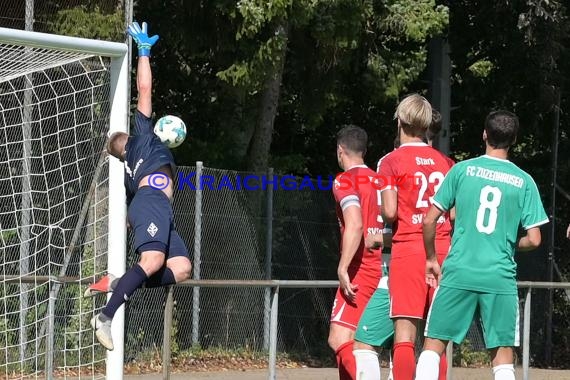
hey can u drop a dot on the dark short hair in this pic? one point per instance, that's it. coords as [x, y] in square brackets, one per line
[353, 139]
[502, 128]
[435, 126]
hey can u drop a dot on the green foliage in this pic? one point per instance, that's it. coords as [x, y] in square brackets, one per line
[399, 72]
[464, 356]
[294, 162]
[561, 329]
[416, 20]
[540, 12]
[8, 235]
[257, 13]
[257, 17]
[7, 343]
[482, 68]
[411, 23]
[250, 74]
[174, 346]
[88, 23]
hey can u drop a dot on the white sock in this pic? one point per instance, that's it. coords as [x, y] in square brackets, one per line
[367, 365]
[428, 366]
[504, 372]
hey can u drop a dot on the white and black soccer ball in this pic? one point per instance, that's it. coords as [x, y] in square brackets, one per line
[171, 130]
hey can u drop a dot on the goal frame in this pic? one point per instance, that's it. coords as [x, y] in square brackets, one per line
[119, 109]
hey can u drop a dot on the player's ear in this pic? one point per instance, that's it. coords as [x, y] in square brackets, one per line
[484, 135]
[339, 151]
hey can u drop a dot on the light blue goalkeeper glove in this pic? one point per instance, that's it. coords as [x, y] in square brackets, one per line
[140, 36]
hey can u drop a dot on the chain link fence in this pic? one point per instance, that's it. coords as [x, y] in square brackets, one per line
[295, 233]
[244, 232]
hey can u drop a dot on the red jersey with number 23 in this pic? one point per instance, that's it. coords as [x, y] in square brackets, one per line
[415, 171]
[355, 187]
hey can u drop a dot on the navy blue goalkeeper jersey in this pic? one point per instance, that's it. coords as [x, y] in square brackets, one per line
[145, 154]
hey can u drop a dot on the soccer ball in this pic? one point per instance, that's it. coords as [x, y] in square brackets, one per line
[171, 130]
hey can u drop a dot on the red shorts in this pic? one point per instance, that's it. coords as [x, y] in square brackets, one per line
[346, 313]
[410, 296]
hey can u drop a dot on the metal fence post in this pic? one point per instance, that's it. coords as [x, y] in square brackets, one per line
[526, 334]
[273, 333]
[50, 349]
[26, 199]
[197, 255]
[268, 258]
[166, 341]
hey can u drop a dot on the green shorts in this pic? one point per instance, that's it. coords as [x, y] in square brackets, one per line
[453, 310]
[375, 326]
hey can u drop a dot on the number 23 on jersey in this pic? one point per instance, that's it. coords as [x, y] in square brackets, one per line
[434, 179]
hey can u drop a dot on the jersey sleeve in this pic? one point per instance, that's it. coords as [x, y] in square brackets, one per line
[533, 214]
[344, 191]
[143, 124]
[387, 172]
[380, 161]
[444, 199]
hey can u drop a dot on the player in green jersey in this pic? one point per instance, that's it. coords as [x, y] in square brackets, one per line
[493, 198]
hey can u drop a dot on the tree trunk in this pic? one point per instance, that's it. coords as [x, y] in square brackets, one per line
[260, 143]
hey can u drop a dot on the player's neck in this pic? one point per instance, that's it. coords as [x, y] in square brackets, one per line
[405, 139]
[352, 163]
[503, 154]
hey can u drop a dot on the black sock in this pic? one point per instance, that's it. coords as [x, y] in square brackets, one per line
[126, 286]
[163, 277]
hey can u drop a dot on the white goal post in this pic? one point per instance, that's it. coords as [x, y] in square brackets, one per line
[62, 201]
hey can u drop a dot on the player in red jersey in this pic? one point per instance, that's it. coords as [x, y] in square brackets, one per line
[359, 268]
[410, 176]
[375, 329]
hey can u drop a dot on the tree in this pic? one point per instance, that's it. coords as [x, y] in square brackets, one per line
[92, 19]
[328, 46]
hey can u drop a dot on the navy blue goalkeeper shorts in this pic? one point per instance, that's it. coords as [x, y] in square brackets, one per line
[152, 221]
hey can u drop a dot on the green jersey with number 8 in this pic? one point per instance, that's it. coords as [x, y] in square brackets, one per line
[492, 199]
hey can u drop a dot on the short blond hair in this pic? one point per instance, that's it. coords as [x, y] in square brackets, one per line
[415, 115]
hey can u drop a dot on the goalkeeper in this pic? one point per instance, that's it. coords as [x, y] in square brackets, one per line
[149, 167]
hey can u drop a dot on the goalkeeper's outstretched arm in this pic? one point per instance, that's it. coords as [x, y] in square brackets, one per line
[144, 73]
[144, 86]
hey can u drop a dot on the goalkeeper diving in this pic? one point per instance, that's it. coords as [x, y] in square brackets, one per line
[149, 168]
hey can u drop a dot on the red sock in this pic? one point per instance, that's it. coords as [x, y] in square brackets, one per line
[443, 367]
[346, 362]
[404, 361]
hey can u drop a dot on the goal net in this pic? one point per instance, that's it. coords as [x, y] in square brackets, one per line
[57, 99]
